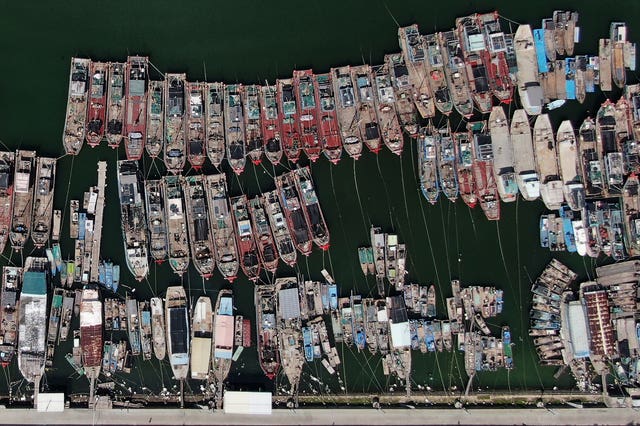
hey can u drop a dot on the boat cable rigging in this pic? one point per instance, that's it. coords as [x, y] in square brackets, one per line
[355, 182]
[386, 192]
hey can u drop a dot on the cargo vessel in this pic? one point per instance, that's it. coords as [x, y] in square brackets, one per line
[74, 124]
[214, 110]
[523, 156]
[221, 219]
[547, 163]
[417, 66]
[11, 284]
[195, 127]
[156, 215]
[288, 120]
[293, 212]
[178, 244]
[366, 110]
[115, 104]
[43, 200]
[328, 125]
[266, 330]
[307, 115]
[503, 167]
[247, 248]
[200, 237]
[155, 119]
[385, 100]
[311, 207]
[234, 127]
[133, 218]
[279, 227]
[572, 187]
[253, 128]
[175, 149]
[347, 110]
[201, 338]
[262, 235]
[270, 124]
[97, 103]
[177, 327]
[23, 180]
[135, 123]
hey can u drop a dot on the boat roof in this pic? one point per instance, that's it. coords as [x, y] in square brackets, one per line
[34, 283]
[226, 306]
[289, 304]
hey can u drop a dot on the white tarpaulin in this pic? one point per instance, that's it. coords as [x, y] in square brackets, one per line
[247, 402]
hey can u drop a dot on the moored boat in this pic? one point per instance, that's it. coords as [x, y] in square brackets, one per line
[262, 234]
[446, 158]
[279, 227]
[547, 163]
[523, 155]
[135, 122]
[214, 110]
[43, 200]
[7, 165]
[347, 110]
[464, 168]
[386, 109]
[91, 332]
[201, 338]
[269, 122]
[569, 167]
[97, 103]
[253, 128]
[437, 78]
[427, 164]
[195, 127]
[24, 177]
[287, 117]
[404, 94]
[247, 248]
[631, 203]
[307, 114]
[115, 104]
[223, 344]
[157, 328]
[222, 226]
[177, 328]
[154, 201]
[605, 64]
[486, 189]
[632, 94]
[133, 218]
[503, 162]
[417, 66]
[178, 245]
[591, 164]
[155, 119]
[367, 117]
[11, 284]
[529, 89]
[266, 329]
[293, 212]
[200, 238]
[174, 118]
[473, 47]
[74, 125]
[311, 207]
[608, 149]
[328, 125]
[289, 331]
[234, 132]
[455, 71]
[494, 56]
[618, 36]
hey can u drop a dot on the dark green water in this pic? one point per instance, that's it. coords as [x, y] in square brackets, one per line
[250, 41]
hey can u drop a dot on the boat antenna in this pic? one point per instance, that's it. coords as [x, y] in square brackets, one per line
[204, 64]
[391, 14]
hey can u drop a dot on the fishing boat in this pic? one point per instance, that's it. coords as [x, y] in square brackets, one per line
[157, 328]
[631, 203]
[362, 258]
[293, 212]
[289, 328]
[253, 128]
[404, 94]
[7, 165]
[357, 322]
[486, 188]
[133, 218]
[580, 78]
[605, 51]
[464, 168]
[391, 258]
[43, 200]
[270, 124]
[347, 110]
[262, 235]
[222, 226]
[115, 104]
[446, 158]
[91, 332]
[591, 164]
[23, 180]
[473, 48]
[307, 113]
[201, 338]
[155, 119]
[177, 238]
[608, 148]
[97, 104]
[386, 109]
[174, 122]
[455, 70]
[569, 167]
[618, 36]
[437, 76]
[544, 144]
[311, 207]
[427, 163]
[266, 329]
[328, 125]
[200, 238]
[494, 56]
[549, 28]
[378, 244]
[66, 315]
[32, 329]
[132, 325]
[74, 125]
[154, 201]
[506, 348]
[247, 248]
[503, 161]
[369, 128]
[279, 227]
[234, 127]
[287, 117]
[135, 123]
[177, 327]
[223, 324]
[214, 111]
[524, 160]
[195, 127]
[624, 137]
[529, 89]
[559, 21]
[417, 68]
[146, 338]
[632, 94]
[11, 283]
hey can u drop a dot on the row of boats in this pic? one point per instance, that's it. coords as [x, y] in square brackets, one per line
[461, 69]
[193, 219]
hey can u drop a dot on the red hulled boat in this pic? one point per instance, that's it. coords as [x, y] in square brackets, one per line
[97, 112]
[287, 113]
[486, 188]
[494, 56]
[329, 131]
[294, 212]
[135, 120]
[311, 207]
[249, 259]
[307, 117]
[262, 233]
[269, 124]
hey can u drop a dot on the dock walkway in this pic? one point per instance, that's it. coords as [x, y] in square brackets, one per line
[97, 226]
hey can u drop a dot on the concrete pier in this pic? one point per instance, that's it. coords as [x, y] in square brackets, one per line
[97, 225]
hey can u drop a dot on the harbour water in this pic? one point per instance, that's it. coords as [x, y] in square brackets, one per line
[252, 42]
